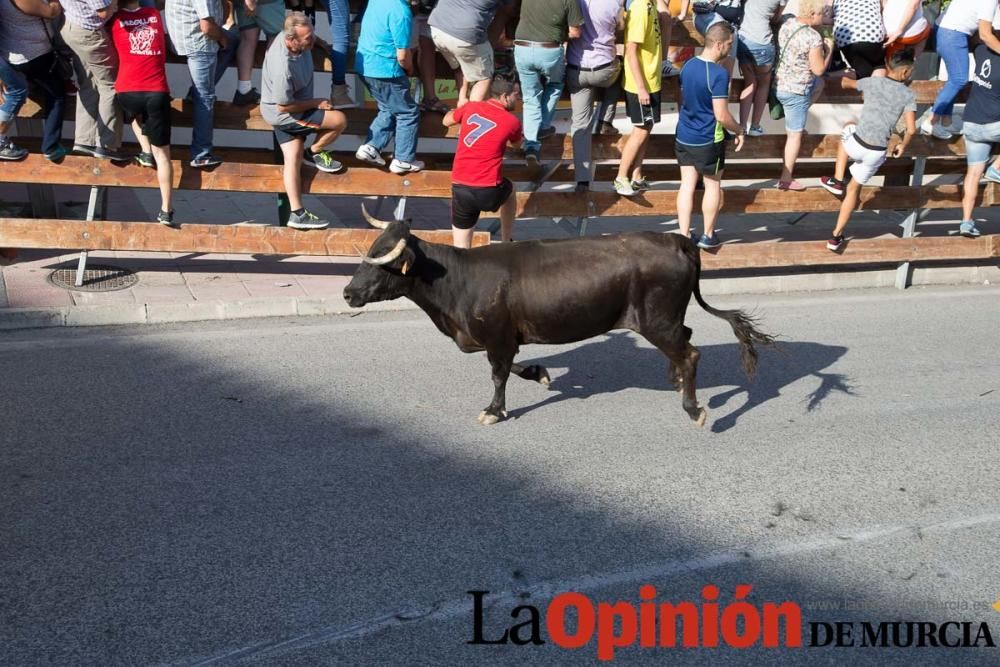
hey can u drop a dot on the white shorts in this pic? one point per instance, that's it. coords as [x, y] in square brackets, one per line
[866, 160]
[475, 60]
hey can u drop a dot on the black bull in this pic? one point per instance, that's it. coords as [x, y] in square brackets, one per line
[500, 297]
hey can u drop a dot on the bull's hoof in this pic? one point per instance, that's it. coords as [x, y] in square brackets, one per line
[543, 377]
[488, 418]
[701, 417]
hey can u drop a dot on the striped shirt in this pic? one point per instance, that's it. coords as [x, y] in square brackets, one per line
[83, 13]
[183, 24]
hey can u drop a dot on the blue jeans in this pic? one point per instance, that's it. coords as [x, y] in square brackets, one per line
[39, 73]
[953, 47]
[340, 29]
[206, 68]
[542, 72]
[397, 114]
[17, 92]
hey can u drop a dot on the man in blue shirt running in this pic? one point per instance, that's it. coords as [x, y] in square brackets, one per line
[701, 131]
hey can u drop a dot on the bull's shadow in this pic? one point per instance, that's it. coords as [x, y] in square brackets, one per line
[616, 362]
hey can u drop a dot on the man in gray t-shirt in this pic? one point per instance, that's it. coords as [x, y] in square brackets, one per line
[866, 143]
[287, 103]
[459, 30]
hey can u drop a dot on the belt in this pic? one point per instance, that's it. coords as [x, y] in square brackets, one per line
[592, 69]
[868, 145]
[540, 45]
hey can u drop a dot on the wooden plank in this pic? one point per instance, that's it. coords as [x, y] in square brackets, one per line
[230, 176]
[788, 254]
[742, 200]
[235, 239]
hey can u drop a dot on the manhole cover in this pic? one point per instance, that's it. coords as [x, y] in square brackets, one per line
[96, 278]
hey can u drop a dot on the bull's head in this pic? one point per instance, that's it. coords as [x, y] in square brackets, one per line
[383, 274]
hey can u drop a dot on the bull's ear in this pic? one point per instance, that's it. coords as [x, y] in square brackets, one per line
[408, 258]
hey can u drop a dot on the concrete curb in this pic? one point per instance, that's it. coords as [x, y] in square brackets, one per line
[165, 313]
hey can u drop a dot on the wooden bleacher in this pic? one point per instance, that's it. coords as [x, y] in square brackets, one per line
[254, 170]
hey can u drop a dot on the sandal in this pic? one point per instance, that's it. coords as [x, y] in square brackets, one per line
[436, 105]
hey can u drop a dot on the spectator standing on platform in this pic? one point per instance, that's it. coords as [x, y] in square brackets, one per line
[962, 19]
[13, 93]
[860, 35]
[701, 131]
[643, 65]
[905, 26]
[755, 53]
[459, 31]
[287, 103]
[384, 60]
[339, 14]
[803, 58]
[98, 118]
[709, 12]
[478, 184]
[592, 64]
[27, 54]
[196, 31]
[544, 28]
[421, 40]
[981, 127]
[143, 93]
[252, 17]
[886, 98]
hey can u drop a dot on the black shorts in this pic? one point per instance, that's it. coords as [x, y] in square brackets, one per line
[152, 110]
[864, 57]
[305, 123]
[467, 202]
[640, 116]
[709, 159]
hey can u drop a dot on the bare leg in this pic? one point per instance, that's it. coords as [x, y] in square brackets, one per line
[142, 138]
[461, 238]
[334, 122]
[748, 93]
[480, 91]
[847, 206]
[291, 153]
[711, 201]
[793, 143]
[971, 189]
[245, 53]
[630, 152]
[425, 61]
[639, 157]
[685, 198]
[463, 94]
[760, 95]
[840, 171]
[164, 175]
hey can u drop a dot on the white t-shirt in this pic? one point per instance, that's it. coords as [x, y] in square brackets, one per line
[965, 15]
[892, 15]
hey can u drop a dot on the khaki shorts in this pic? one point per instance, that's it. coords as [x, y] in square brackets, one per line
[475, 60]
[270, 17]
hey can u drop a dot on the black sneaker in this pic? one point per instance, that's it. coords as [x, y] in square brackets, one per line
[531, 158]
[109, 154]
[10, 152]
[166, 218]
[145, 160]
[205, 161]
[835, 243]
[833, 186]
[546, 133]
[709, 242]
[640, 185]
[246, 99]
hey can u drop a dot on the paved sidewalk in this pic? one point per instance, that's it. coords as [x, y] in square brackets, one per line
[175, 287]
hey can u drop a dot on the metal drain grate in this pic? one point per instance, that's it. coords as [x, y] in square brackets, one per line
[96, 278]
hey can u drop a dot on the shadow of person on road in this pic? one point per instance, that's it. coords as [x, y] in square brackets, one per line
[616, 362]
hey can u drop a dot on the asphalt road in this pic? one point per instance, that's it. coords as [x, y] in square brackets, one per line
[317, 491]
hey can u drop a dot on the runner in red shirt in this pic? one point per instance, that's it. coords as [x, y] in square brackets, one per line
[141, 90]
[477, 181]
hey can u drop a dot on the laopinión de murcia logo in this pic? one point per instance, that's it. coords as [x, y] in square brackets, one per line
[574, 621]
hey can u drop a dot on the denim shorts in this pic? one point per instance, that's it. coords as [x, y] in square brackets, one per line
[979, 140]
[702, 22]
[749, 52]
[796, 109]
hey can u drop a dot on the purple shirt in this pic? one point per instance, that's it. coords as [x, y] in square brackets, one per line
[596, 46]
[84, 12]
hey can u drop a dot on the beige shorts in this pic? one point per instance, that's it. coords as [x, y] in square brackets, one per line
[419, 29]
[476, 60]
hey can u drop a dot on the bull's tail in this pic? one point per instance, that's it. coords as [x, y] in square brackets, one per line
[744, 325]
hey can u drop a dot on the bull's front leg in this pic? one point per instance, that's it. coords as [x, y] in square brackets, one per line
[500, 361]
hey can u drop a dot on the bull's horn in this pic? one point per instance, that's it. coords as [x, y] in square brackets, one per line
[374, 222]
[386, 258]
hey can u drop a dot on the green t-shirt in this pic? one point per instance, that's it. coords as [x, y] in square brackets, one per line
[548, 20]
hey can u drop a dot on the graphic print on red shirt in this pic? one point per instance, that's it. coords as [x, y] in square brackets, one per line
[142, 53]
[486, 127]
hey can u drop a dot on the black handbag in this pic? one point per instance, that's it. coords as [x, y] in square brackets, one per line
[61, 66]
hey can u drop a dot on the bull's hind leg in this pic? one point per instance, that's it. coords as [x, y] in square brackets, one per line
[684, 364]
[534, 373]
[501, 362]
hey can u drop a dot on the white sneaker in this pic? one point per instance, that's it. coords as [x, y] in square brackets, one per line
[341, 97]
[368, 154]
[400, 167]
[937, 131]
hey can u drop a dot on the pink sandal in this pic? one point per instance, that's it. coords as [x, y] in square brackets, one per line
[792, 185]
